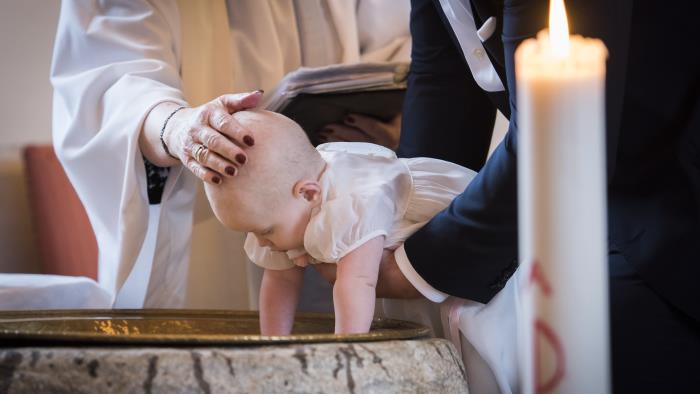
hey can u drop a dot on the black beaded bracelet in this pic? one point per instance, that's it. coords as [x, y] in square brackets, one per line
[162, 131]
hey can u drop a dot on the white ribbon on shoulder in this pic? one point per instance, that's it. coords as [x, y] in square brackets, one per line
[459, 14]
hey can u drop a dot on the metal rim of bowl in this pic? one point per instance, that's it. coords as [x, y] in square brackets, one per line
[387, 329]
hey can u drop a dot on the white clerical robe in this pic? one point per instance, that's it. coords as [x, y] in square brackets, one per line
[115, 60]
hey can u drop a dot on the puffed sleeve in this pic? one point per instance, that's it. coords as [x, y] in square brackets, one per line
[264, 257]
[345, 223]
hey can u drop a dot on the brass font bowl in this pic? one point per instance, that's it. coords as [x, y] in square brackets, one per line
[180, 327]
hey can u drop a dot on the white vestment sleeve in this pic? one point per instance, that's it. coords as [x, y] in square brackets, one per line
[114, 61]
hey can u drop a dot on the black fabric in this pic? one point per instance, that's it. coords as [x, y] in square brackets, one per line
[442, 98]
[655, 346]
[155, 181]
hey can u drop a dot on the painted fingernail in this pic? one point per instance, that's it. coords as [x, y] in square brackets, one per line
[249, 140]
[240, 158]
[350, 119]
[216, 180]
[230, 170]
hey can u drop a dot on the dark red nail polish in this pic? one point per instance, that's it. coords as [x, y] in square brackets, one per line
[230, 170]
[249, 140]
[240, 158]
[216, 180]
[350, 119]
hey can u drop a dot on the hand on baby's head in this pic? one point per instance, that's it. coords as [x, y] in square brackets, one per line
[265, 186]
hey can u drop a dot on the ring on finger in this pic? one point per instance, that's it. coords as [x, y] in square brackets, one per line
[198, 153]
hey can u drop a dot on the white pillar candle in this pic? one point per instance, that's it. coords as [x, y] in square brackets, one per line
[564, 332]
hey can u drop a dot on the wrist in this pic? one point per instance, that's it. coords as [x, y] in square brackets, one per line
[149, 138]
[165, 131]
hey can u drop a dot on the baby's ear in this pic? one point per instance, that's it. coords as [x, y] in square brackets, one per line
[309, 190]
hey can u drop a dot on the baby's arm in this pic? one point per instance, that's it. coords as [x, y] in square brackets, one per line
[279, 295]
[354, 292]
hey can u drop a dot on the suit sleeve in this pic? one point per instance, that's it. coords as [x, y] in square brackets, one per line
[469, 249]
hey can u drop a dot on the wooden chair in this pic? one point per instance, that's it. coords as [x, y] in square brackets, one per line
[65, 239]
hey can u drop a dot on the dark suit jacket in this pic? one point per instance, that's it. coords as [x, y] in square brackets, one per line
[653, 142]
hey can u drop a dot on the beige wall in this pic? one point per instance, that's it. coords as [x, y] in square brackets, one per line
[27, 29]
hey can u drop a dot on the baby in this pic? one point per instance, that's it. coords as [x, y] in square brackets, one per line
[340, 203]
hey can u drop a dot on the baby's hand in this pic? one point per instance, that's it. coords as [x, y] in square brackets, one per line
[301, 260]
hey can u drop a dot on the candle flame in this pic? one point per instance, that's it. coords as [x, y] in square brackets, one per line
[558, 29]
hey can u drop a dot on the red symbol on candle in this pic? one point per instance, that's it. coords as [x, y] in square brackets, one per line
[537, 276]
[544, 331]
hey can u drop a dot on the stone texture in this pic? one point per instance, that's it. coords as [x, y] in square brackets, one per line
[414, 366]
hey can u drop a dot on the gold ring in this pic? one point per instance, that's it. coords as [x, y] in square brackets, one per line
[198, 151]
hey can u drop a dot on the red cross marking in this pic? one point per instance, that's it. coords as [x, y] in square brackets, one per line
[536, 275]
[544, 331]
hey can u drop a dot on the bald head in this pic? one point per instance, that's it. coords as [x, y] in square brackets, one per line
[282, 155]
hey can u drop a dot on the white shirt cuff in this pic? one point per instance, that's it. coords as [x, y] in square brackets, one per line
[416, 280]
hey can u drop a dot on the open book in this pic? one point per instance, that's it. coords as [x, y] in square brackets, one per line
[315, 97]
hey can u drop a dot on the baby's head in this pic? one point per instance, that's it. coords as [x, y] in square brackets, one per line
[273, 193]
